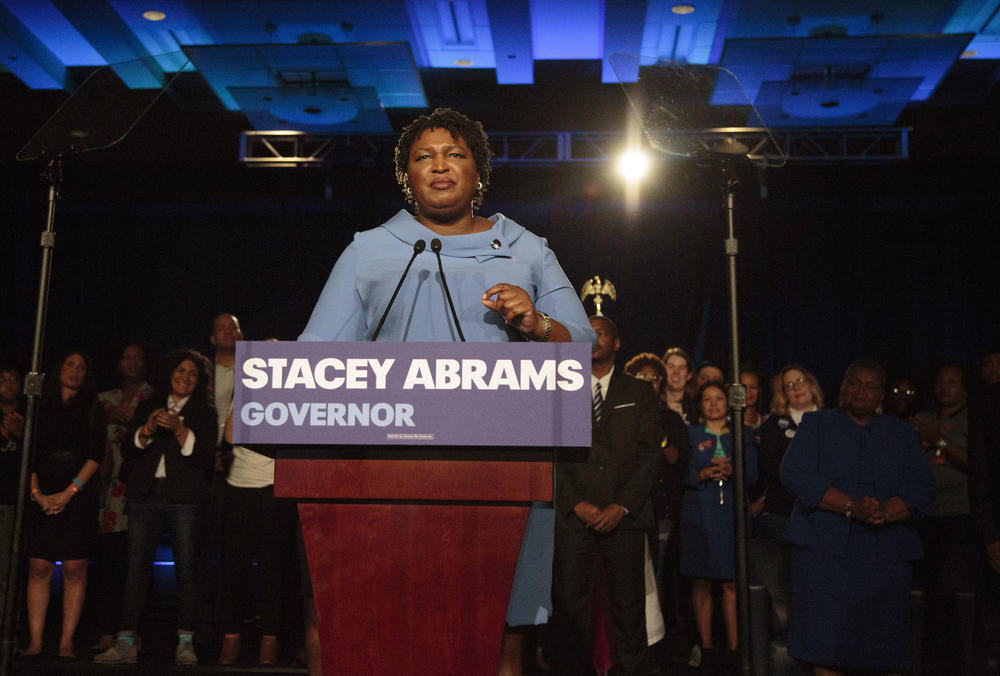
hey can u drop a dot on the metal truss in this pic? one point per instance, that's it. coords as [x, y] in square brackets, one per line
[801, 146]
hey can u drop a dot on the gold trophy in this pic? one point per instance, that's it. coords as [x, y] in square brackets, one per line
[598, 288]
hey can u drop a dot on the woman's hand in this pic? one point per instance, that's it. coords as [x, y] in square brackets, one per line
[515, 306]
[169, 421]
[715, 471]
[43, 501]
[725, 467]
[13, 425]
[870, 511]
[56, 502]
[149, 428]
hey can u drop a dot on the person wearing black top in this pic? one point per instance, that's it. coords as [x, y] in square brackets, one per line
[668, 491]
[798, 393]
[69, 449]
[169, 449]
[11, 436]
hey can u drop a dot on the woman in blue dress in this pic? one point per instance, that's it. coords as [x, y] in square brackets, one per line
[708, 514]
[859, 483]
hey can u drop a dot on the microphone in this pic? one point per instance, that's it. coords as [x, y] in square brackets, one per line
[418, 246]
[436, 248]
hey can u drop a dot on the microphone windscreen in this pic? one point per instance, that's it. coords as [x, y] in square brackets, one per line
[435, 245]
[419, 245]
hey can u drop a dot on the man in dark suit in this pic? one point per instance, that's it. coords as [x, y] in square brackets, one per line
[603, 508]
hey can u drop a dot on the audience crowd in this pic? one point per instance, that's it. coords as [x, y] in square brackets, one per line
[112, 471]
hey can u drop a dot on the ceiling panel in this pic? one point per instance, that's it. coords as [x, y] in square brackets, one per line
[391, 47]
[849, 68]
[387, 68]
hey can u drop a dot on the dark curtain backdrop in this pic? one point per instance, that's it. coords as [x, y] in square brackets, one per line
[893, 262]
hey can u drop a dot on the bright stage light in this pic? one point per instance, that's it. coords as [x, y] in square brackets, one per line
[633, 165]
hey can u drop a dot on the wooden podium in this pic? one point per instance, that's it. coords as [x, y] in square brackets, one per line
[412, 561]
[414, 486]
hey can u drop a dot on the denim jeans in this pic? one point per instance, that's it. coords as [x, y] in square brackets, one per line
[146, 523]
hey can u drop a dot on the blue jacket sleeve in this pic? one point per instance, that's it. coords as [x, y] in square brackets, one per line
[339, 314]
[557, 298]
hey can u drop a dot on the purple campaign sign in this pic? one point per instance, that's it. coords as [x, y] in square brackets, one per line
[441, 394]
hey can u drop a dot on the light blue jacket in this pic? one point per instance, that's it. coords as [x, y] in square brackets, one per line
[365, 275]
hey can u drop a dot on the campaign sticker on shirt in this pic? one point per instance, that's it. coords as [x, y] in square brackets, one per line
[790, 433]
[705, 445]
[783, 423]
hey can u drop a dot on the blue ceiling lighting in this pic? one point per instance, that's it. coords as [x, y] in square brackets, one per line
[562, 30]
[55, 31]
[453, 34]
[27, 57]
[312, 77]
[624, 24]
[317, 62]
[510, 25]
[680, 37]
[981, 17]
[179, 25]
[844, 81]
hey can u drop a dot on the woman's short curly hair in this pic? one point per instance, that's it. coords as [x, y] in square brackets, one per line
[644, 359]
[202, 390]
[456, 124]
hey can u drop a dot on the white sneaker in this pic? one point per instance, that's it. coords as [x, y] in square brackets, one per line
[185, 656]
[120, 652]
[695, 660]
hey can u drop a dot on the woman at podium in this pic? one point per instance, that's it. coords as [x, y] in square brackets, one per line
[445, 273]
[504, 282]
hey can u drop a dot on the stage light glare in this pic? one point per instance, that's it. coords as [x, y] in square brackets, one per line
[153, 15]
[633, 165]
[682, 9]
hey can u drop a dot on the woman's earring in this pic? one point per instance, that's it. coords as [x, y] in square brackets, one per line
[479, 185]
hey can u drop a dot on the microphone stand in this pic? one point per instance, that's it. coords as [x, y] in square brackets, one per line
[737, 404]
[728, 164]
[418, 246]
[93, 108]
[33, 382]
[436, 248]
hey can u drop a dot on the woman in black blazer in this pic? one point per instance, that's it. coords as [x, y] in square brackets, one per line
[169, 451]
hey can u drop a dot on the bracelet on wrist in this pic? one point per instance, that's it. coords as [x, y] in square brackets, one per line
[548, 329]
[73, 488]
[940, 447]
[79, 484]
[848, 508]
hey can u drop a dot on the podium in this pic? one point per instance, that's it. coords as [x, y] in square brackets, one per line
[412, 561]
[412, 549]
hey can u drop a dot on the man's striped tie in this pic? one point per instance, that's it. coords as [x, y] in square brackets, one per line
[598, 403]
